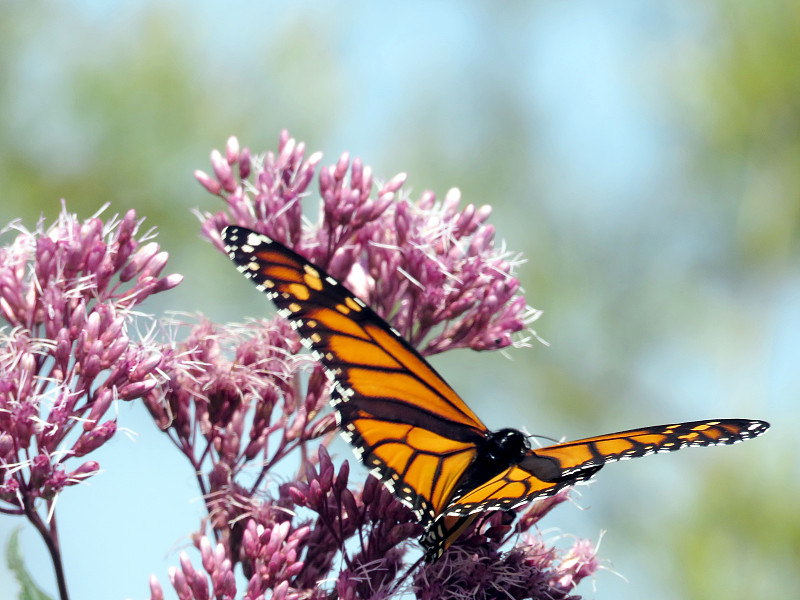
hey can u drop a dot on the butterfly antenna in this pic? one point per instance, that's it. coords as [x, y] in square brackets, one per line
[536, 437]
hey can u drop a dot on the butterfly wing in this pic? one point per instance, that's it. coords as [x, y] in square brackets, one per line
[405, 422]
[547, 470]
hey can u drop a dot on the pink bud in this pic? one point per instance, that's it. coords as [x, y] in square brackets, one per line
[63, 347]
[211, 184]
[484, 212]
[86, 470]
[112, 330]
[394, 184]
[340, 170]
[6, 446]
[136, 390]
[244, 164]
[255, 446]
[146, 366]
[95, 257]
[95, 438]
[8, 313]
[91, 330]
[464, 225]
[127, 226]
[232, 149]
[298, 497]
[226, 585]
[301, 533]
[186, 565]
[137, 262]
[326, 180]
[115, 350]
[179, 583]
[156, 593]
[356, 171]
[287, 154]
[314, 160]
[207, 555]
[276, 561]
[40, 470]
[366, 186]
[293, 569]
[99, 408]
[155, 264]
[167, 283]
[342, 476]
[279, 591]
[482, 240]
[249, 545]
[222, 171]
[314, 493]
[451, 200]
[255, 588]
[370, 490]
[349, 504]
[283, 138]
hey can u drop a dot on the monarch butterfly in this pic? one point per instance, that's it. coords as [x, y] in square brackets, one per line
[408, 425]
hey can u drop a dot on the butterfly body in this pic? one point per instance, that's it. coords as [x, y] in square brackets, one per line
[411, 429]
[495, 453]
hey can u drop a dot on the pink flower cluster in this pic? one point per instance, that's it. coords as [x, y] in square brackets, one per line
[67, 294]
[428, 267]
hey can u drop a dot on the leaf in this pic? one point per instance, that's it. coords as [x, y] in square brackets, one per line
[28, 590]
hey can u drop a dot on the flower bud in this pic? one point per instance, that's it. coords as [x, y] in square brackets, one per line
[167, 283]
[138, 261]
[99, 408]
[232, 150]
[223, 171]
[86, 470]
[136, 390]
[179, 583]
[156, 593]
[208, 182]
[95, 438]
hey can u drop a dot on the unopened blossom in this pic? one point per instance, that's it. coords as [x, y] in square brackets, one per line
[67, 293]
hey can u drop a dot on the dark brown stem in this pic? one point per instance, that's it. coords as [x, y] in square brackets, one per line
[50, 537]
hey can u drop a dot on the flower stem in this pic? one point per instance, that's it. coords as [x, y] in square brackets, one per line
[50, 537]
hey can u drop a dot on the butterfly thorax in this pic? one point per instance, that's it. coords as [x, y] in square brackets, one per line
[499, 450]
[505, 447]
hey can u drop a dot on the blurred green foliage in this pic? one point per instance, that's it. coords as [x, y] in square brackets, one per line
[744, 90]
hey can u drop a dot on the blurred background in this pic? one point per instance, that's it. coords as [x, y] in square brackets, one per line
[643, 154]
